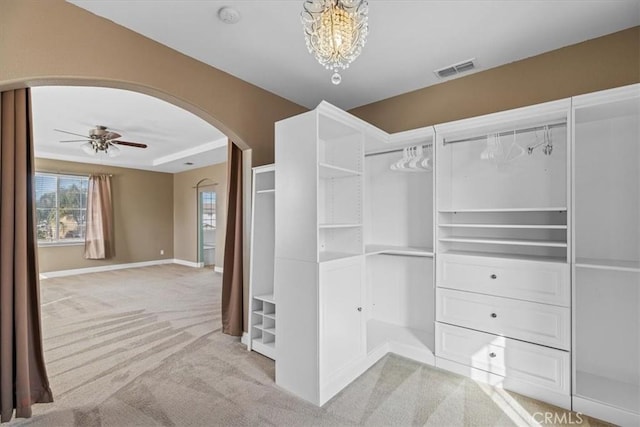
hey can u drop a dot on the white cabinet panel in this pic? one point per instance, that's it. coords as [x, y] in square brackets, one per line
[545, 282]
[341, 316]
[525, 362]
[533, 322]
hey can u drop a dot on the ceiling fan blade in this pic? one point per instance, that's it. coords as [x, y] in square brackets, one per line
[76, 140]
[112, 135]
[71, 133]
[130, 144]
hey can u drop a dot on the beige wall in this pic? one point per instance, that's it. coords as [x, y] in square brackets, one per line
[143, 217]
[185, 210]
[55, 42]
[601, 63]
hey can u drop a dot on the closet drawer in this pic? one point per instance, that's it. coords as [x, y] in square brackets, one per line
[545, 282]
[528, 321]
[516, 360]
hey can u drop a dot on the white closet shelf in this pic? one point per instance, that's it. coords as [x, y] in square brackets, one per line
[398, 250]
[608, 264]
[270, 329]
[607, 390]
[562, 260]
[263, 314]
[380, 333]
[266, 298]
[339, 225]
[326, 170]
[471, 210]
[325, 256]
[508, 226]
[498, 241]
[267, 191]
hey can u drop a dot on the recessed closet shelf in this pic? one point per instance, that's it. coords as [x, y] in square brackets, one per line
[339, 225]
[324, 256]
[471, 210]
[507, 226]
[608, 264]
[497, 241]
[326, 170]
[266, 298]
[608, 390]
[267, 315]
[397, 250]
[540, 258]
[267, 191]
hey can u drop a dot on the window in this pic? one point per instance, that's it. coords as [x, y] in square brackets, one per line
[61, 208]
[208, 210]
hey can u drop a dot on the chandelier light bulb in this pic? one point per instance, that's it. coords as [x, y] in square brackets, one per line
[335, 32]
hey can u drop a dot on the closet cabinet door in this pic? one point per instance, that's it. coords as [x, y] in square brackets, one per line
[341, 315]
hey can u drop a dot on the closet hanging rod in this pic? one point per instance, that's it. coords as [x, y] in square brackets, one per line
[395, 150]
[506, 133]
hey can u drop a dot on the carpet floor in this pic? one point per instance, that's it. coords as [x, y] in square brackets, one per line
[143, 347]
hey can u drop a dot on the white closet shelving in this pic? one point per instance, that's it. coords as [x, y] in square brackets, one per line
[607, 255]
[503, 248]
[262, 314]
[399, 250]
[516, 263]
[319, 252]
[499, 192]
[354, 251]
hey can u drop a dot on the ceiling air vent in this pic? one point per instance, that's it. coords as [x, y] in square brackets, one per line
[454, 69]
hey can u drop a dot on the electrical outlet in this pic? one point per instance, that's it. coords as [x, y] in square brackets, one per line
[161, 251]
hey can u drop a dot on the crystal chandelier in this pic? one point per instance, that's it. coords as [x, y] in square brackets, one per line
[335, 32]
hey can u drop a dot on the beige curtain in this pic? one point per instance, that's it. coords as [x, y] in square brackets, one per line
[232, 315]
[98, 241]
[23, 377]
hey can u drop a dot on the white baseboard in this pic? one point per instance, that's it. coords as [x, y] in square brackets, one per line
[188, 263]
[245, 339]
[111, 267]
[217, 269]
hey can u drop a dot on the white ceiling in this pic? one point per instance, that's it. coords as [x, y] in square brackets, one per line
[408, 40]
[174, 136]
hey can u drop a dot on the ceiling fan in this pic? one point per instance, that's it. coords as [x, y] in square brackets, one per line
[101, 139]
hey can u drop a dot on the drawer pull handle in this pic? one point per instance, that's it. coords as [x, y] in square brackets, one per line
[494, 315]
[492, 354]
[493, 276]
[359, 308]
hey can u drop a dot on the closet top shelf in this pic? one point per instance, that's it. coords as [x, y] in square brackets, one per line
[471, 210]
[326, 170]
[266, 298]
[266, 191]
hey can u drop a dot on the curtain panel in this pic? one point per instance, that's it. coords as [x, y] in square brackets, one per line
[23, 377]
[232, 308]
[98, 242]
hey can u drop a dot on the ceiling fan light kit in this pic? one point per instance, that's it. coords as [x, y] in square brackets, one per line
[335, 32]
[102, 140]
